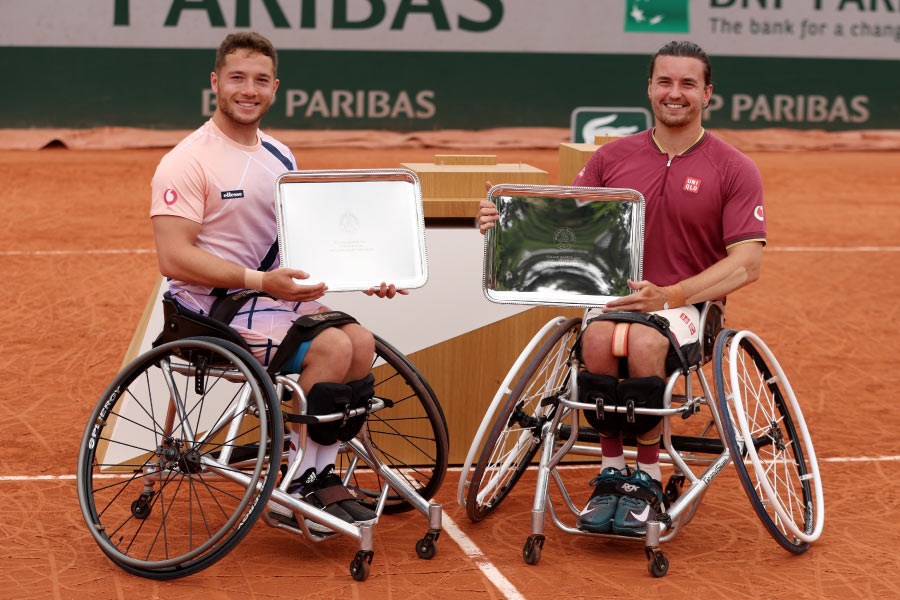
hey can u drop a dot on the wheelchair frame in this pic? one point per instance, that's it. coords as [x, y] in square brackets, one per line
[537, 408]
[209, 477]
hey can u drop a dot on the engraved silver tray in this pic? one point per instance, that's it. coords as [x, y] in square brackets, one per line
[352, 229]
[563, 245]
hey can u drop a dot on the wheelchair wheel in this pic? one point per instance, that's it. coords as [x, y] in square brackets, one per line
[174, 466]
[409, 436]
[515, 436]
[769, 440]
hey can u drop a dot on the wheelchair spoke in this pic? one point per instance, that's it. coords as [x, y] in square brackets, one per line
[172, 506]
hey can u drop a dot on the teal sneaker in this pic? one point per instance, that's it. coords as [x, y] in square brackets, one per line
[599, 512]
[642, 500]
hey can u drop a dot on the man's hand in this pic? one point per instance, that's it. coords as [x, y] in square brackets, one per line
[385, 291]
[487, 213]
[646, 297]
[280, 283]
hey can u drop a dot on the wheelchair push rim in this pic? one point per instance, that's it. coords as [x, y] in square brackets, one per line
[765, 427]
[515, 436]
[151, 487]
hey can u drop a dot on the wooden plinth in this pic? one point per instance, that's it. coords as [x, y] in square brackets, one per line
[572, 158]
[455, 187]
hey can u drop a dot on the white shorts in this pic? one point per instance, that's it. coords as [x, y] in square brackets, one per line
[684, 322]
[263, 321]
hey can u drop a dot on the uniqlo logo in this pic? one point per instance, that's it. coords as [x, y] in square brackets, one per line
[687, 321]
[691, 184]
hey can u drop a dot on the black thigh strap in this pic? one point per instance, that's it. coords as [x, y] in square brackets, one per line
[224, 308]
[655, 321]
[305, 329]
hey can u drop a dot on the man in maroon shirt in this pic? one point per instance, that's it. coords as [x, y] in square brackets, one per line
[704, 235]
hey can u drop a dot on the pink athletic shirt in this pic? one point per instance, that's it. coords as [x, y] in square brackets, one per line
[701, 203]
[226, 187]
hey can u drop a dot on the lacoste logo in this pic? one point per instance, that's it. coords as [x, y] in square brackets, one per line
[605, 125]
[228, 195]
[642, 516]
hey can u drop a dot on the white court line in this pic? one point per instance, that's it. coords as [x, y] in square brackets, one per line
[833, 459]
[76, 252]
[833, 249]
[487, 567]
[824, 249]
[469, 548]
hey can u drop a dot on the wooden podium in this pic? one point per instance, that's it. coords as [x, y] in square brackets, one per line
[453, 185]
[573, 157]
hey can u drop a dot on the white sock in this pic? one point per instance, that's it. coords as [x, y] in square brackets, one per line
[616, 462]
[309, 457]
[326, 455]
[651, 470]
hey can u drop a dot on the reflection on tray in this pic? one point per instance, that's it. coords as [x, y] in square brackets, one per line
[563, 245]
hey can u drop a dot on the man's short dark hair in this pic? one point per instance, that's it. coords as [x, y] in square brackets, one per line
[246, 40]
[688, 50]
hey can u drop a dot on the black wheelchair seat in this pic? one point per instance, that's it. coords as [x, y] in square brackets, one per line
[180, 323]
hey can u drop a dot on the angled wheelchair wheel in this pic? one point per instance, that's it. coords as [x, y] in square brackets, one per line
[768, 439]
[409, 436]
[515, 436]
[174, 465]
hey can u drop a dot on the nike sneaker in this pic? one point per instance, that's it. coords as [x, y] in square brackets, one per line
[599, 512]
[642, 499]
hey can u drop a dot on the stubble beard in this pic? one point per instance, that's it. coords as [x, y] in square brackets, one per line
[675, 121]
[226, 108]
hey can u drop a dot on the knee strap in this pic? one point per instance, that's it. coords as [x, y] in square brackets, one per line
[640, 392]
[362, 391]
[303, 330]
[620, 339]
[651, 320]
[323, 399]
[599, 390]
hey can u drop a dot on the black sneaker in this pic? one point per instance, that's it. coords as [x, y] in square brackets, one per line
[304, 488]
[331, 489]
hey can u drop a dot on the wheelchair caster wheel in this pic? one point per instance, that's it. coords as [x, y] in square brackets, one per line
[531, 552]
[426, 547]
[361, 564]
[658, 564]
[140, 508]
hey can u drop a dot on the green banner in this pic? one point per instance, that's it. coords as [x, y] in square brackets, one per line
[408, 91]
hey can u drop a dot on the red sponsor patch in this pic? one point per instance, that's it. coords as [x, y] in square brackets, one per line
[692, 184]
[687, 321]
[170, 196]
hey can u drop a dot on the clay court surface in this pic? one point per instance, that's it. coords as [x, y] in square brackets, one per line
[77, 265]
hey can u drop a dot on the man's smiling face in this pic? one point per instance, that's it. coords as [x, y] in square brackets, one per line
[678, 90]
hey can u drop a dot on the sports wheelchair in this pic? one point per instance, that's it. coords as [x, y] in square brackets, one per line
[182, 452]
[748, 416]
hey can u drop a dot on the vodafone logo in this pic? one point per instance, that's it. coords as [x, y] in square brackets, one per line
[170, 197]
[758, 213]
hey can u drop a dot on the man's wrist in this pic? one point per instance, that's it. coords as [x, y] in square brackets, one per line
[674, 296]
[253, 279]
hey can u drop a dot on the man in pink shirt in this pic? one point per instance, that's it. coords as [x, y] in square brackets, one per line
[704, 236]
[213, 217]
